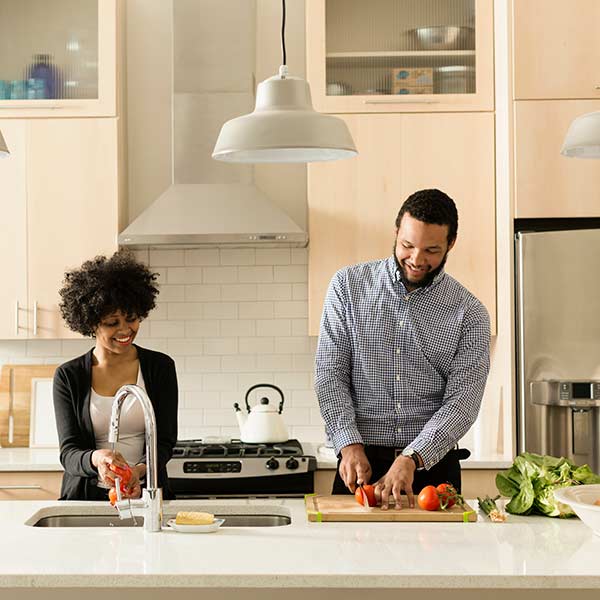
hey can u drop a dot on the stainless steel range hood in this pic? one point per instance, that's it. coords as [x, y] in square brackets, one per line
[213, 214]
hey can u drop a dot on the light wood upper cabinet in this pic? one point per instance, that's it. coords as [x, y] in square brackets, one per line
[353, 203]
[556, 49]
[59, 58]
[13, 242]
[367, 57]
[72, 199]
[548, 184]
[60, 199]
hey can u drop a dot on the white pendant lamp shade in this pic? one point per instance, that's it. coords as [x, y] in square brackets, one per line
[583, 137]
[3, 147]
[284, 128]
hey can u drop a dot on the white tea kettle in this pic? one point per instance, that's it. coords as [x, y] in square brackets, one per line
[264, 423]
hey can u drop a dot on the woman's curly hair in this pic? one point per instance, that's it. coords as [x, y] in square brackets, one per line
[104, 285]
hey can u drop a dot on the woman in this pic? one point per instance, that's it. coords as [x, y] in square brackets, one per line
[107, 298]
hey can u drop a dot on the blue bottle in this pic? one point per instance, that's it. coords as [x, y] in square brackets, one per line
[43, 70]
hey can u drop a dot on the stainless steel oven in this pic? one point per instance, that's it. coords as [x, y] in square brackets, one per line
[208, 469]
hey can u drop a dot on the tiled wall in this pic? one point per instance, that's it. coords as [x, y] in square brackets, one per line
[230, 318]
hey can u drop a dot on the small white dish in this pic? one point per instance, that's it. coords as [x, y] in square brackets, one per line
[196, 528]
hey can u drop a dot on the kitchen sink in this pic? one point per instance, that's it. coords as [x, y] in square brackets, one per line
[114, 521]
[235, 515]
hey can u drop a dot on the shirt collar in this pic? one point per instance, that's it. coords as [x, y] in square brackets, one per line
[396, 276]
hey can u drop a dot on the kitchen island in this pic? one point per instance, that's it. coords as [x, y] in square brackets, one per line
[538, 556]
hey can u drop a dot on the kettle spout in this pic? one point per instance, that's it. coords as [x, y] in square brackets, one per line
[240, 415]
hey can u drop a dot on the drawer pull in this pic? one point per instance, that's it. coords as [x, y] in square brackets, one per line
[20, 487]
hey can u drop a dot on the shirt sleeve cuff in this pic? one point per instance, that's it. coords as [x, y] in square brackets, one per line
[345, 437]
[428, 455]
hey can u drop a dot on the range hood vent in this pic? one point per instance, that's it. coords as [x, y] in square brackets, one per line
[213, 215]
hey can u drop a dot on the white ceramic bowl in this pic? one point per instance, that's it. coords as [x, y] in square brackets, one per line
[581, 499]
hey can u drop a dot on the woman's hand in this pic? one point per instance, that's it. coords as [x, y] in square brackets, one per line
[101, 459]
[134, 489]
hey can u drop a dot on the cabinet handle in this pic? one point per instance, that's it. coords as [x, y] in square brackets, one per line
[35, 106]
[20, 487]
[401, 101]
[35, 318]
[11, 398]
[17, 317]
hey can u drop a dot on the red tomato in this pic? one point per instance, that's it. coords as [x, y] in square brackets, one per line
[369, 491]
[112, 496]
[447, 495]
[123, 472]
[428, 498]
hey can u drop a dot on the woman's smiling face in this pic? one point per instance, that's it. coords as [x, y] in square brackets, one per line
[116, 332]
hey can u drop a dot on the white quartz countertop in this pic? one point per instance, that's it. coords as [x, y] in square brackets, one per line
[524, 552]
[46, 459]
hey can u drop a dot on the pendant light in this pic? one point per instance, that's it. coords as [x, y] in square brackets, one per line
[284, 127]
[583, 137]
[3, 147]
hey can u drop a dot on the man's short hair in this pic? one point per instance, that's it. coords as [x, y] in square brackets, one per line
[431, 206]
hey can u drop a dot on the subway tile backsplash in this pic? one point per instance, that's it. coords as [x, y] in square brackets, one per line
[229, 318]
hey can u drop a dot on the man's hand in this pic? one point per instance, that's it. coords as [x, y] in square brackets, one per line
[354, 467]
[399, 477]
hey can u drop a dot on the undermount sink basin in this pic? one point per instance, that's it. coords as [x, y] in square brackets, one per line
[114, 521]
[104, 516]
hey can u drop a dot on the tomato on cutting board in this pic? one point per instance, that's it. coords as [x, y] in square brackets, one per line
[447, 495]
[369, 491]
[428, 498]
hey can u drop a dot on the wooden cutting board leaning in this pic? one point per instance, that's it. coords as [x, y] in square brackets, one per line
[15, 401]
[346, 508]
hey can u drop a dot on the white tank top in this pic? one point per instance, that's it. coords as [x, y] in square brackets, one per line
[131, 425]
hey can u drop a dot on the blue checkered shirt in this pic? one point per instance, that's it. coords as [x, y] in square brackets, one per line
[397, 368]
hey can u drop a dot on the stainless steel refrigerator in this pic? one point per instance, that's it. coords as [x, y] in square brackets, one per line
[558, 343]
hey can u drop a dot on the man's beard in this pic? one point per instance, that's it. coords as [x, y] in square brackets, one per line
[427, 278]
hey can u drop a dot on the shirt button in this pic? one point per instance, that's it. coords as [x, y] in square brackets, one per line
[406, 298]
[399, 429]
[399, 405]
[397, 377]
[400, 323]
[398, 351]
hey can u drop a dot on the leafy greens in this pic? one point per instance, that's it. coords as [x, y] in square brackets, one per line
[531, 480]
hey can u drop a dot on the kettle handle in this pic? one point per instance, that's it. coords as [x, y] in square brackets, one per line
[269, 385]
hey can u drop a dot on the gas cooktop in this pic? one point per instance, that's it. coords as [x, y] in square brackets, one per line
[234, 448]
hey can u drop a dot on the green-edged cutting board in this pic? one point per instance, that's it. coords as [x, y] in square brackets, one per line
[346, 508]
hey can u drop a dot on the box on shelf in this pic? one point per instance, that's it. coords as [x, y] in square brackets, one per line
[412, 77]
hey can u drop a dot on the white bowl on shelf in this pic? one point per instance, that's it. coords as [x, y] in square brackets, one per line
[581, 499]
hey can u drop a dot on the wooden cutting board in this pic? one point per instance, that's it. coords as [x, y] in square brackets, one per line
[15, 384]
[346, 508]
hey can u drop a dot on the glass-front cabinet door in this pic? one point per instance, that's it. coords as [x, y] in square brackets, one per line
[58, 58]
[400, 55]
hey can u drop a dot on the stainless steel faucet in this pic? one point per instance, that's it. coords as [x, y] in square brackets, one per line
[150, 506]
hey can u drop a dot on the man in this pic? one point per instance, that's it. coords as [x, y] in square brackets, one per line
[402, 359]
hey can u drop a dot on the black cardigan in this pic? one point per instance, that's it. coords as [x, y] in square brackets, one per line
[71, 392]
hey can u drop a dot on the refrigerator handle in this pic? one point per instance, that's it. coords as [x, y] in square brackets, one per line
[521, 345]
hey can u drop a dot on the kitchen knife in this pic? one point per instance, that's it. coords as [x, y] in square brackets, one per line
[365, 498]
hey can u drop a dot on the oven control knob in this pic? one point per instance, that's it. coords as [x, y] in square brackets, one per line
[272, 464]
[291, 464]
